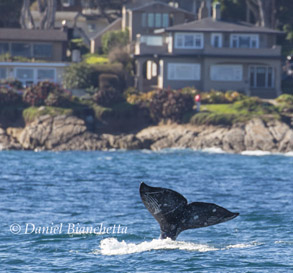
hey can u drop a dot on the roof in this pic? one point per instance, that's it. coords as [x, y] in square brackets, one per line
[211, 25]
[32, 34]
[142, 7]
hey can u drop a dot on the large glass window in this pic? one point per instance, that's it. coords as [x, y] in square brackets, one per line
[21, 49]
[151, 20]
[4, 48]
[25, 75]
[2, 73]
[165, 19]
[158, 22]
[189, 41]
[42, 50]
[225, 72]
[46, 74]
[244, 41]
[183, 71]
[261, 77]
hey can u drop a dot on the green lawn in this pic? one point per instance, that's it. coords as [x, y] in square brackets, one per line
[228, 114]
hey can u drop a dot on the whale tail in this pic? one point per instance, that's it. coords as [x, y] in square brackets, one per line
[174, 214]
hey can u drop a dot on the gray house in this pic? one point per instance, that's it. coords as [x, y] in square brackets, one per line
[212, 54]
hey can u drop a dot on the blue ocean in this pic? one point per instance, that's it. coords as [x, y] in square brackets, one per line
[81, 212]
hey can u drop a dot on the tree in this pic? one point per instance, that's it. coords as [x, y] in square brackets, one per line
[9, 13]
[47, 10]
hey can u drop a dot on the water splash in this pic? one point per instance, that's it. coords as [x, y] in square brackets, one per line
[111, 246]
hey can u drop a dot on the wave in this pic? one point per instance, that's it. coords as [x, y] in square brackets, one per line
[111, 246]
[256, 153]
[213, 150]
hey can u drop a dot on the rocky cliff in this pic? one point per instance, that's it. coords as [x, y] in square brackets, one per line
[70, 133]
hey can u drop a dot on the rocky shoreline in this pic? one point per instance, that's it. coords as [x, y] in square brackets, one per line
[63, 133]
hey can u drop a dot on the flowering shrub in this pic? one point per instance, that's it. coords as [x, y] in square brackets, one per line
[46, 93]
[168, 104]
[107, 97]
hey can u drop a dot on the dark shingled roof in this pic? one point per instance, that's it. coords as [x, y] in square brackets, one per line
[32, 34]
[211, 25]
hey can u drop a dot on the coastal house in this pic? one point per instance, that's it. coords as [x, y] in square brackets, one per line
[142, 19]
[211, 54]
[39, 54]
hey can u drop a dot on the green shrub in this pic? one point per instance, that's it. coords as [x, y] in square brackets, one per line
[120, 55]
[112, 39]
[285, 98]
[109, 81]
[9, 96]
[285, 102]
[95, 59]
[80, 76]
[78, 44]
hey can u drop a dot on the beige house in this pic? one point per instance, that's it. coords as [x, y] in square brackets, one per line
[46, 49]
[211, 54]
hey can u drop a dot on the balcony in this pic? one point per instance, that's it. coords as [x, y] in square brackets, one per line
[150, 44]
[274, 51]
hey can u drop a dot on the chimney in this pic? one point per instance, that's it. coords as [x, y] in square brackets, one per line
[217, 11]
[203, 11]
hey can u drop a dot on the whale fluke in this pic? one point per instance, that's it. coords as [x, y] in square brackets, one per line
[175, 215]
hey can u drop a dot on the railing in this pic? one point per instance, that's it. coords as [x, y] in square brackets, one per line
[150, 44]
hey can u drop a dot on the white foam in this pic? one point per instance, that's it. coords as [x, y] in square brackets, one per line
[243, 245]
[213, 150]
[256, 153]
[111, 246]
[289, 154]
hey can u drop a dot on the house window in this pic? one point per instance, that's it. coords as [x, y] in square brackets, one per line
[158, 22]
[226, 73]
[42, 50]
[25, 75]
[261, 77]
[3, 72]
[244, 41]
[46, 74]
[184, 71]
[216, 40]
[21, 49]
[189, 40]
[4, 48]
[151, 20]
[165, 19]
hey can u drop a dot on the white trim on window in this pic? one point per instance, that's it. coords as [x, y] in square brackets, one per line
[238, 41]
[184, 71]
[226, 72]
[217, 40]
[34, 78]
[189, 40]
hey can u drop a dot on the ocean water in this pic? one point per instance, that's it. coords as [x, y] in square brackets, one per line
[81, 212]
